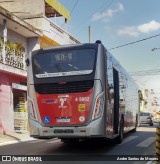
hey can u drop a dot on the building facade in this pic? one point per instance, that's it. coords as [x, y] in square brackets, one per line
[38, 13]
[24, 27]
[15, 37]
[150, 102]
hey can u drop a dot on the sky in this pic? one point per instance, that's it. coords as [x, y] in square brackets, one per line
[119, 22]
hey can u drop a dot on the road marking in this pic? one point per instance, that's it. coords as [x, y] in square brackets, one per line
[128, 139]
[146, 142]
[151, 162]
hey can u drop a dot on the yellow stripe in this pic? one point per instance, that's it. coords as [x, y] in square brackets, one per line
[47, 42]
[158, 138]
[59, 8]
[157, 152]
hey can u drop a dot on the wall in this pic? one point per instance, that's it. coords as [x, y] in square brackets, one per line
[25, 8]
[52, 31]
[6, 103]
[32, 44]
[1, 129]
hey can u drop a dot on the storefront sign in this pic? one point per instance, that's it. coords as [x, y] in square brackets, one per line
[19, 86]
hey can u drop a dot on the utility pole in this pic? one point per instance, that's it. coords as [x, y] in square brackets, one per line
[89, 33]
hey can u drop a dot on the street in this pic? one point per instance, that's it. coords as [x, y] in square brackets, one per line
[141, 142]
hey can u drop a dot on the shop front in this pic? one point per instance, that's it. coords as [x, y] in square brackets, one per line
[13, 98]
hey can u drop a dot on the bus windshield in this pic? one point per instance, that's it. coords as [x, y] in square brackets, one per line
[64, 63]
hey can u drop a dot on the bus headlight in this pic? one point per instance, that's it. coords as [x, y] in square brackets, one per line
[32, 110]
[98, 107]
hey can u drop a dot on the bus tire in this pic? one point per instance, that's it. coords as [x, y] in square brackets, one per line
[151, 124]
[119, 139]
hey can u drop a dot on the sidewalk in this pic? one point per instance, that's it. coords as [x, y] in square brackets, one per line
[10, 138]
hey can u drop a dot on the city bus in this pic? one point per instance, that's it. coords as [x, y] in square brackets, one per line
[80, 92]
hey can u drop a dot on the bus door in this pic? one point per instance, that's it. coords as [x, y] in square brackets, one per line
[116, 100]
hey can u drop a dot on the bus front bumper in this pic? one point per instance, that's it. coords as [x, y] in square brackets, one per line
[94, 129]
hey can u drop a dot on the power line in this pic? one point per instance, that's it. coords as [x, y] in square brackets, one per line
[151, 77]
[134, 42]
[74, 7]
[93, 14]
[147, 73]
[70, 15]
[71, 11]
[140, 76]
[144, 72]
[96, 11]
[156, 67]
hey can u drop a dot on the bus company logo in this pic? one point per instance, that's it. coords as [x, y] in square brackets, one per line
[49, 101]
[62, 100]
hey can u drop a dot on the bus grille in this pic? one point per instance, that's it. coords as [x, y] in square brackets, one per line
[68, 87]
[63, 131]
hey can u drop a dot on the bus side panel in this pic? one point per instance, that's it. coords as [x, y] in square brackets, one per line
[33, 112]
[128, 98]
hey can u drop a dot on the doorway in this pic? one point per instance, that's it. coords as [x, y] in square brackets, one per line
[116, 100]
[20, 113]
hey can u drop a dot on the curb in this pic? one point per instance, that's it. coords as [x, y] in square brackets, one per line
[14, 141]
[8, 143]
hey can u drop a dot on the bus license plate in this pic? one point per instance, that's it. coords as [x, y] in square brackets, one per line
[63, 120]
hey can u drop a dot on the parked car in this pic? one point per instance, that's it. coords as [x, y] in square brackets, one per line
[146, 118]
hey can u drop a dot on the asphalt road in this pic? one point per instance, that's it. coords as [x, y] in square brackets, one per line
[141, 142]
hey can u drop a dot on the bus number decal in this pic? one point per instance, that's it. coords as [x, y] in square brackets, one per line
[81, 107]
[82, 99]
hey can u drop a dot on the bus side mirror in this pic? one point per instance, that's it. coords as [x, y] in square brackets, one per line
[27, 62]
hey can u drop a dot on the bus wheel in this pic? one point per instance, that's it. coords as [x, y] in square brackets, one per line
[151, 124]
[119, 139]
